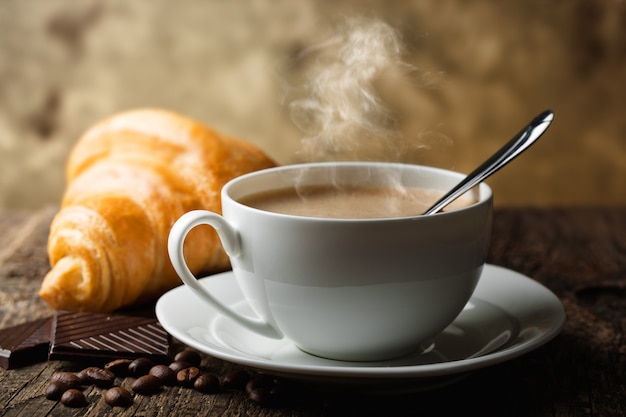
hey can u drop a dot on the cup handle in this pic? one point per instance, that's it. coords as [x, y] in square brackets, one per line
[231, 242]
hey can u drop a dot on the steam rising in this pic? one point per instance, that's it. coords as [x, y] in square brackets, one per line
[339, 109]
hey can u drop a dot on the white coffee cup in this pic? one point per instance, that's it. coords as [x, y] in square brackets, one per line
[346, 289]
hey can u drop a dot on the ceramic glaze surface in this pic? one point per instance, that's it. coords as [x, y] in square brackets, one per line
[508, 315]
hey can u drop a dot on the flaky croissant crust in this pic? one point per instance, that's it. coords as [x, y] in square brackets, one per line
[129, 178]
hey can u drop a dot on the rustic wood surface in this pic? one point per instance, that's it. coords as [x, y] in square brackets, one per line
[579, 253]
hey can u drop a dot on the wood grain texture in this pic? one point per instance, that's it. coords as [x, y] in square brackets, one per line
[579, 253]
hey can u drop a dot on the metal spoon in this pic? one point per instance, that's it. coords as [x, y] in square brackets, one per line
[506, 154]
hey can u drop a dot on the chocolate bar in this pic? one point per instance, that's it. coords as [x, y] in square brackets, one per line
[25, 344]
[107, 336]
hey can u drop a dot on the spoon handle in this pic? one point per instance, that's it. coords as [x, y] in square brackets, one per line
[503, 156]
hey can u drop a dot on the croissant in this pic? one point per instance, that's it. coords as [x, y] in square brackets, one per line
[129, 178]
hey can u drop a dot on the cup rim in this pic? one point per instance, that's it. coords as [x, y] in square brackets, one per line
[485, 191]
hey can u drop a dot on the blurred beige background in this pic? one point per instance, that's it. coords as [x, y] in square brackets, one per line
[483, 69]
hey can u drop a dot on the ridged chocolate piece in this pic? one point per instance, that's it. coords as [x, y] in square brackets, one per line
[25, 344]
[92, 336]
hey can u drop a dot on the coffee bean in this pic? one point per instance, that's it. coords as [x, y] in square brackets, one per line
[189, 356]
[73, 398]
[236, 379]
[177, 366]
[69, 379]
[268, 390]
[187, 377]
[147, 385]
[260, 381]
[119, 367]
[207, 384]
[55, 390]
[118, 397]
[164, 373]
[140, 366]
[99, 377]
[261, 396]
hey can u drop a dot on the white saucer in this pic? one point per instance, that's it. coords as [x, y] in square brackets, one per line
[508, 315]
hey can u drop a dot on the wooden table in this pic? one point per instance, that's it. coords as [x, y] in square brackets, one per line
[578, 253]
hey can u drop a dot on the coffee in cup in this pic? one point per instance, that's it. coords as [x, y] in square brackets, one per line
[360, 202]
[356, 289]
